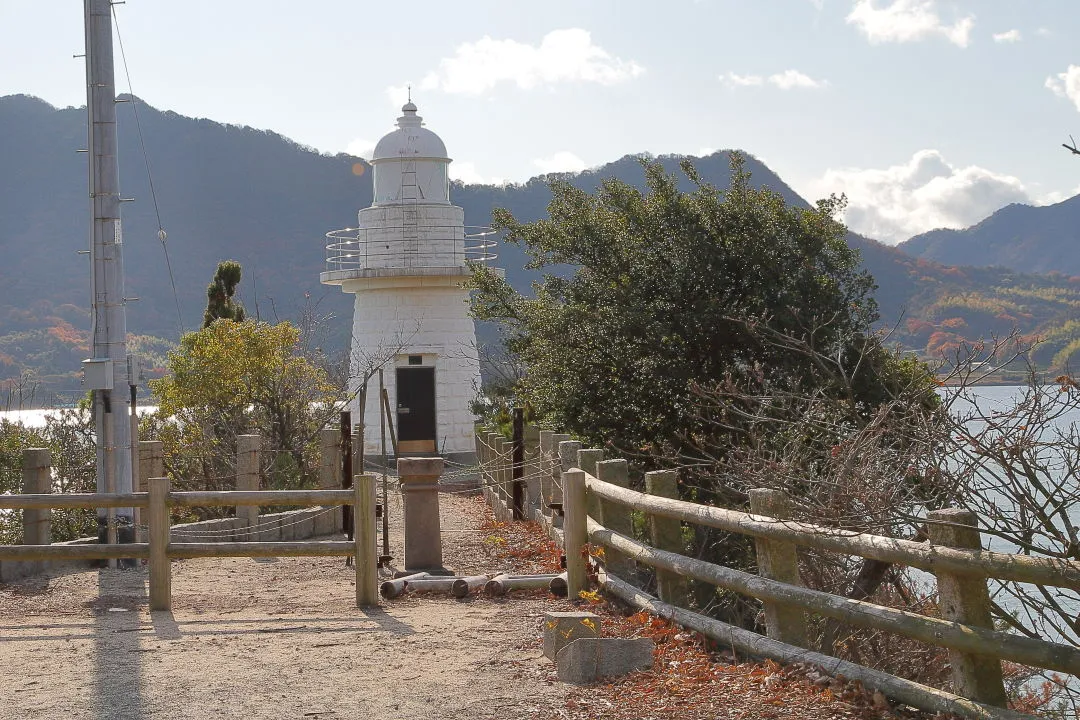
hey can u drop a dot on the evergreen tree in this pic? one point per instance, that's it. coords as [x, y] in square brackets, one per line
[219, 294]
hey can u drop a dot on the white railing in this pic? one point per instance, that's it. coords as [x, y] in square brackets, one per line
[439, 246]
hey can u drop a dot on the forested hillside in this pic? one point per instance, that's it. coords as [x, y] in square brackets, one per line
[265, 201]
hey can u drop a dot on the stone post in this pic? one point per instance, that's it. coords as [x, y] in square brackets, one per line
[248, 451]
[666, 534]
[779, 561]
[37, 480]
[419, 479]
[965, 599]
[329, 520]
[615, 517]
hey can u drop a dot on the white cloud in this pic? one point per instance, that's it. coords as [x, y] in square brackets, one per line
[907, 21]
[562, 56]
[927, 192]
[1009, 36]
[706, 151]
[398, 95]
[794, 79]
[467, 173]
[562, 161]
[361, 148]
[733, 80]
[787, 80]
[1055, 196]
[1066, 84]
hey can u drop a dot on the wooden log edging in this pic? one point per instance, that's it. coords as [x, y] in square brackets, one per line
[749, 643]
[932, 631]
[932, 558]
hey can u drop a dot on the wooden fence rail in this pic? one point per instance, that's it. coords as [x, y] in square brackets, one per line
[160, 551]
[599, 512]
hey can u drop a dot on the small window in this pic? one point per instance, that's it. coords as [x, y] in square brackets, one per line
[416, 359]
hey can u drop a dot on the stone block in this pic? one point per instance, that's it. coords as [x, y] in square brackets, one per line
[562, 628]
[587, 660]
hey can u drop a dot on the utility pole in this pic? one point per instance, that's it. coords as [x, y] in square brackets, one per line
[109, 372]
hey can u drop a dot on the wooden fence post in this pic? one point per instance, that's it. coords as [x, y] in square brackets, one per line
[493, 473]
[37, 479]
[587, 460]
[666, 534]
[248, 449]
[517, 471]
[533, 498]
[151, 465]
[614, 516]
[965, 599]
[779, 561]
[576, 533]
[557, 465]
[328, 521]
[547, 462]
[502, 450]
[367, 580]
[158, 535]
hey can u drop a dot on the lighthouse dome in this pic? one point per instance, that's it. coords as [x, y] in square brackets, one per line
[410, 164]
[410, 140]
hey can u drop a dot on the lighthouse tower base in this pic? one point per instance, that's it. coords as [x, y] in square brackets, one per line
[417, 329]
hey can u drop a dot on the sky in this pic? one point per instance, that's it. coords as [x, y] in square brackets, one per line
[924, 113]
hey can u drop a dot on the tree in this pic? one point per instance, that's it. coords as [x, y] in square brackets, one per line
[232, 378]
[219, 294]
[723, 333]
[673, 290]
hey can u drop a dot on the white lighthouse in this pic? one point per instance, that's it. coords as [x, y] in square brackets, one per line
[406, 264]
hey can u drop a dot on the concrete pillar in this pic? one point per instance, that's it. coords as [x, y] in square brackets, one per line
[37, 480]
[965, 599]
[248, 450]
[666, 534]
[419, 479]
[779, 561]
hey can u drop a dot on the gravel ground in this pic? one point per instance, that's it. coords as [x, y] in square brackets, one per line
[281, 638]
[276, 638]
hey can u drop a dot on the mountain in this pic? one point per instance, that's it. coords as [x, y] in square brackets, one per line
[1021, 237]
[259, 198]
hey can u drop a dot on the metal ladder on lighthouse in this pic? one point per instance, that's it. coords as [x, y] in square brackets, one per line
[410, 215]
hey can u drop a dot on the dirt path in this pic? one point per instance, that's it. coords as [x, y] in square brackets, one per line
[274, 639]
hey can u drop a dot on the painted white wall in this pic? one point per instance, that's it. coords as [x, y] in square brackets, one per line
[421, 319]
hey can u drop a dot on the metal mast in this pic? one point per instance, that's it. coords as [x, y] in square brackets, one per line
[107, 372]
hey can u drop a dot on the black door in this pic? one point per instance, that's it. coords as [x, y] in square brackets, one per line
[416, 409]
